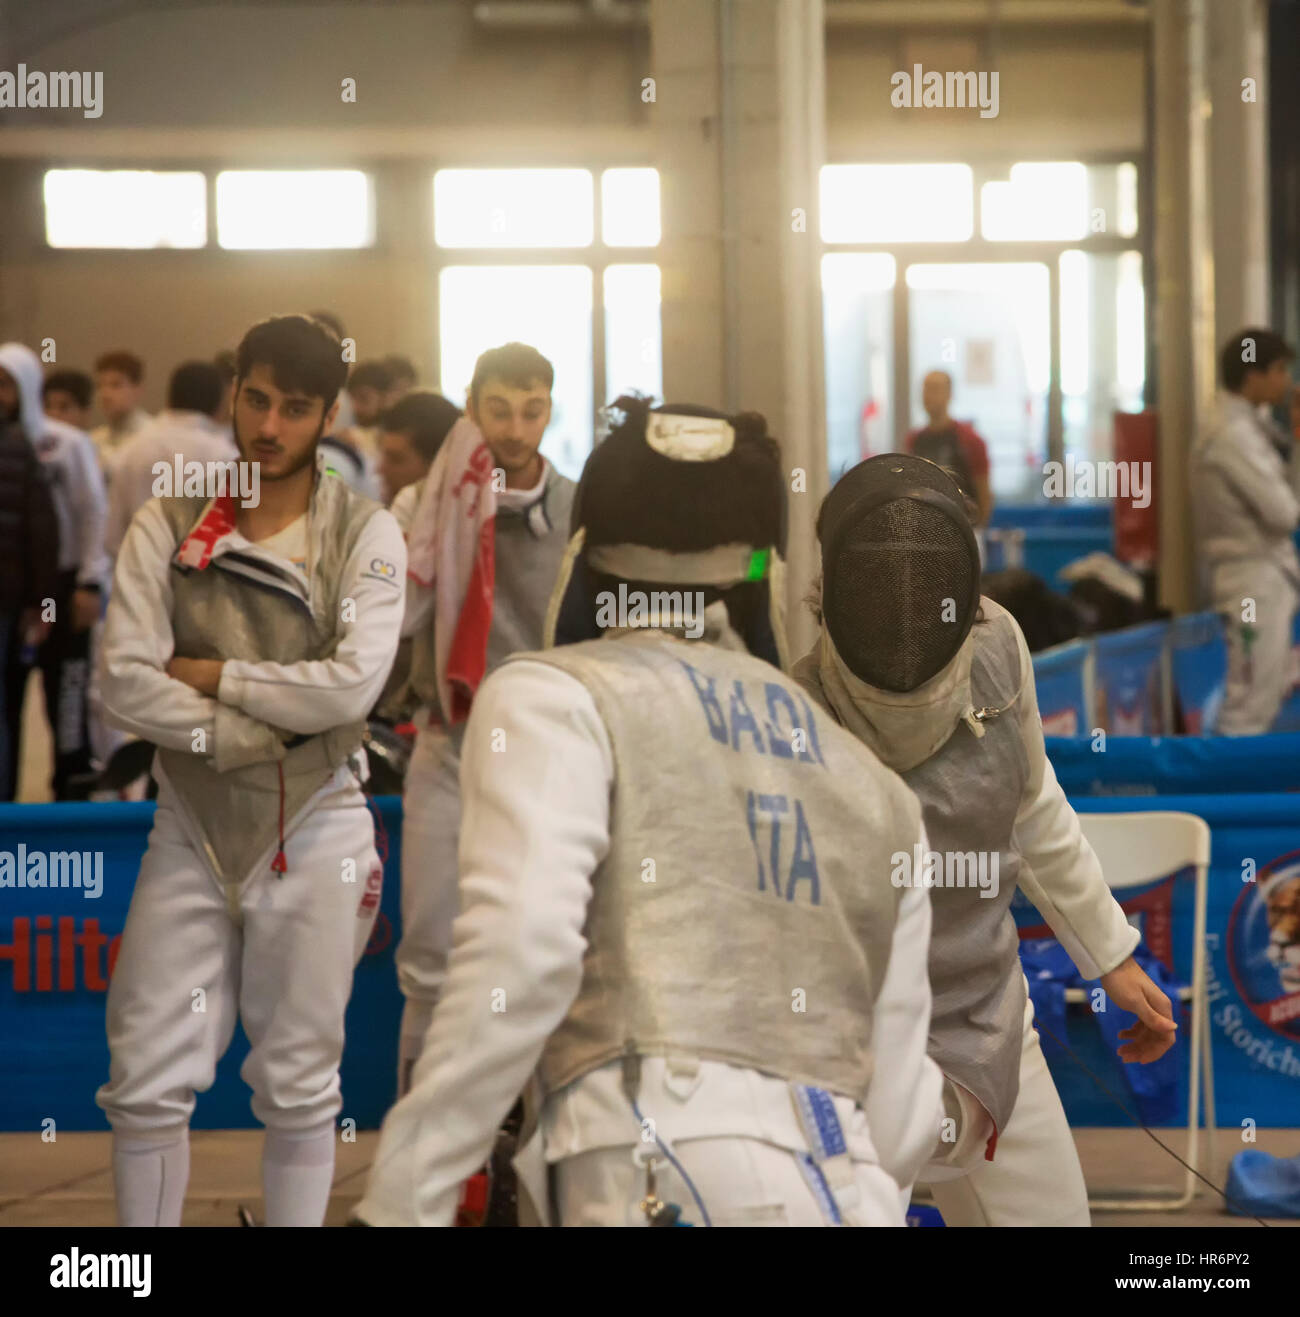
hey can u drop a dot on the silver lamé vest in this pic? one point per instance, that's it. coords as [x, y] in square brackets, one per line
[219, 614]
[744, 912]
[970, 791]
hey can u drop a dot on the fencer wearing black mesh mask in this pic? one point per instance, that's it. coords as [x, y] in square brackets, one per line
[900, 589]
[938, 682]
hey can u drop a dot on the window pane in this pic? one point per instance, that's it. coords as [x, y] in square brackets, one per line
[1126, 197]
[513, 207]
[310, 208]
[124, 208]
[1060, 202]
[988, 326]
[633, 356]
[549, 306]
[897, 203]
[629, 207]
[1103, 347]
[858, 315]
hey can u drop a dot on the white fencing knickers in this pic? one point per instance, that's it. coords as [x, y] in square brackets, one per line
[187, 968]
[1034, 1178]
[430, 841]
[1259, 651]
[741, 1181]
[777, 1178]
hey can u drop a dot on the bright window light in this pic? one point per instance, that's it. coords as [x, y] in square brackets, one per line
[1130, 330]
[633, 336]
[988, 326]
[548, 306]
[1126, 178]
[1046, 202]
[1076, 323]
[1014, 298]
[858, 328]
[629, 207]
[124, 208]
[309, 208]
[897, 203]
[513, 208]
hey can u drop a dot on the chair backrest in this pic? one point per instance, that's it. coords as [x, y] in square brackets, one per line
[1139, 848]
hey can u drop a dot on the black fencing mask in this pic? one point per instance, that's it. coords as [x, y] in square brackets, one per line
[900, 571]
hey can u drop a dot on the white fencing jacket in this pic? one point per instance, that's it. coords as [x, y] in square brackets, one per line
[1246, 512]
[255, 698]
[531, 839]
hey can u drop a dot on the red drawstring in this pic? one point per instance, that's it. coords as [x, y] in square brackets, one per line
[280, 864]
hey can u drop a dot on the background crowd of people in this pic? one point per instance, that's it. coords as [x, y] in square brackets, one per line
[78, 453]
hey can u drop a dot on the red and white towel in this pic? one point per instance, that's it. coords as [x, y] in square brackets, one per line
[451, 548]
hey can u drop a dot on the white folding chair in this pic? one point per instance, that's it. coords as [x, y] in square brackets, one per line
[1136, 849]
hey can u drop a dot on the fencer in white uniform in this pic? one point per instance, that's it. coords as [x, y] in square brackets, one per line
[938, 682]
[248, 644]
[510, 402]
[674, 895]
[1246, 516]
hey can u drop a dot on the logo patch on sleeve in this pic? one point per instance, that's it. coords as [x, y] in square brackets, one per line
[374, 888]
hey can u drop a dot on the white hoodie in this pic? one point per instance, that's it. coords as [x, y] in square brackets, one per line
[76, 485]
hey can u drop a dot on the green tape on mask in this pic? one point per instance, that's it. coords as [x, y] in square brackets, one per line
[758, 561]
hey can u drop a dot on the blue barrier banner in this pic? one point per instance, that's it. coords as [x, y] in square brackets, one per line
[57, 951]
[1060, 679]
[1044, 550]
[58, 946]
[1253, 939]
[1055, 514]
[1128, 680]
[1172, 765]
[1198, 660]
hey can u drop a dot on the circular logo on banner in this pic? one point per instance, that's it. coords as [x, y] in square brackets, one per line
[1264, 945]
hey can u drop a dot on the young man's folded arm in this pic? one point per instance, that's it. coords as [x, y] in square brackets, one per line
[137, 694]
[317, 694]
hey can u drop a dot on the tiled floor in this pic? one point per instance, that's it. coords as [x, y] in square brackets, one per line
[69, 1182]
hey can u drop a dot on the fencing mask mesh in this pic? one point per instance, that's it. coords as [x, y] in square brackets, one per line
[900, 571]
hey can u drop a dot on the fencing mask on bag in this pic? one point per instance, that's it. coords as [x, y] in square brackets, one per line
[677, 499]
[900, 570]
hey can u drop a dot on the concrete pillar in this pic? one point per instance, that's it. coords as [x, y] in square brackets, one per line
[1237, 42]
[687, 124]
[740, 149]
[1184, 277]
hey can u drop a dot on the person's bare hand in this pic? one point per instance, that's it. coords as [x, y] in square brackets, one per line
[1155, 1030]
[32, 628]
[203, 674]
[85, 609]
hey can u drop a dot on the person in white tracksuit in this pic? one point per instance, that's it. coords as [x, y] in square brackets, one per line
[188, 429]
[938, 682]
[510, 402]
[248, 644]
[727, 1016]
[1246, 514]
